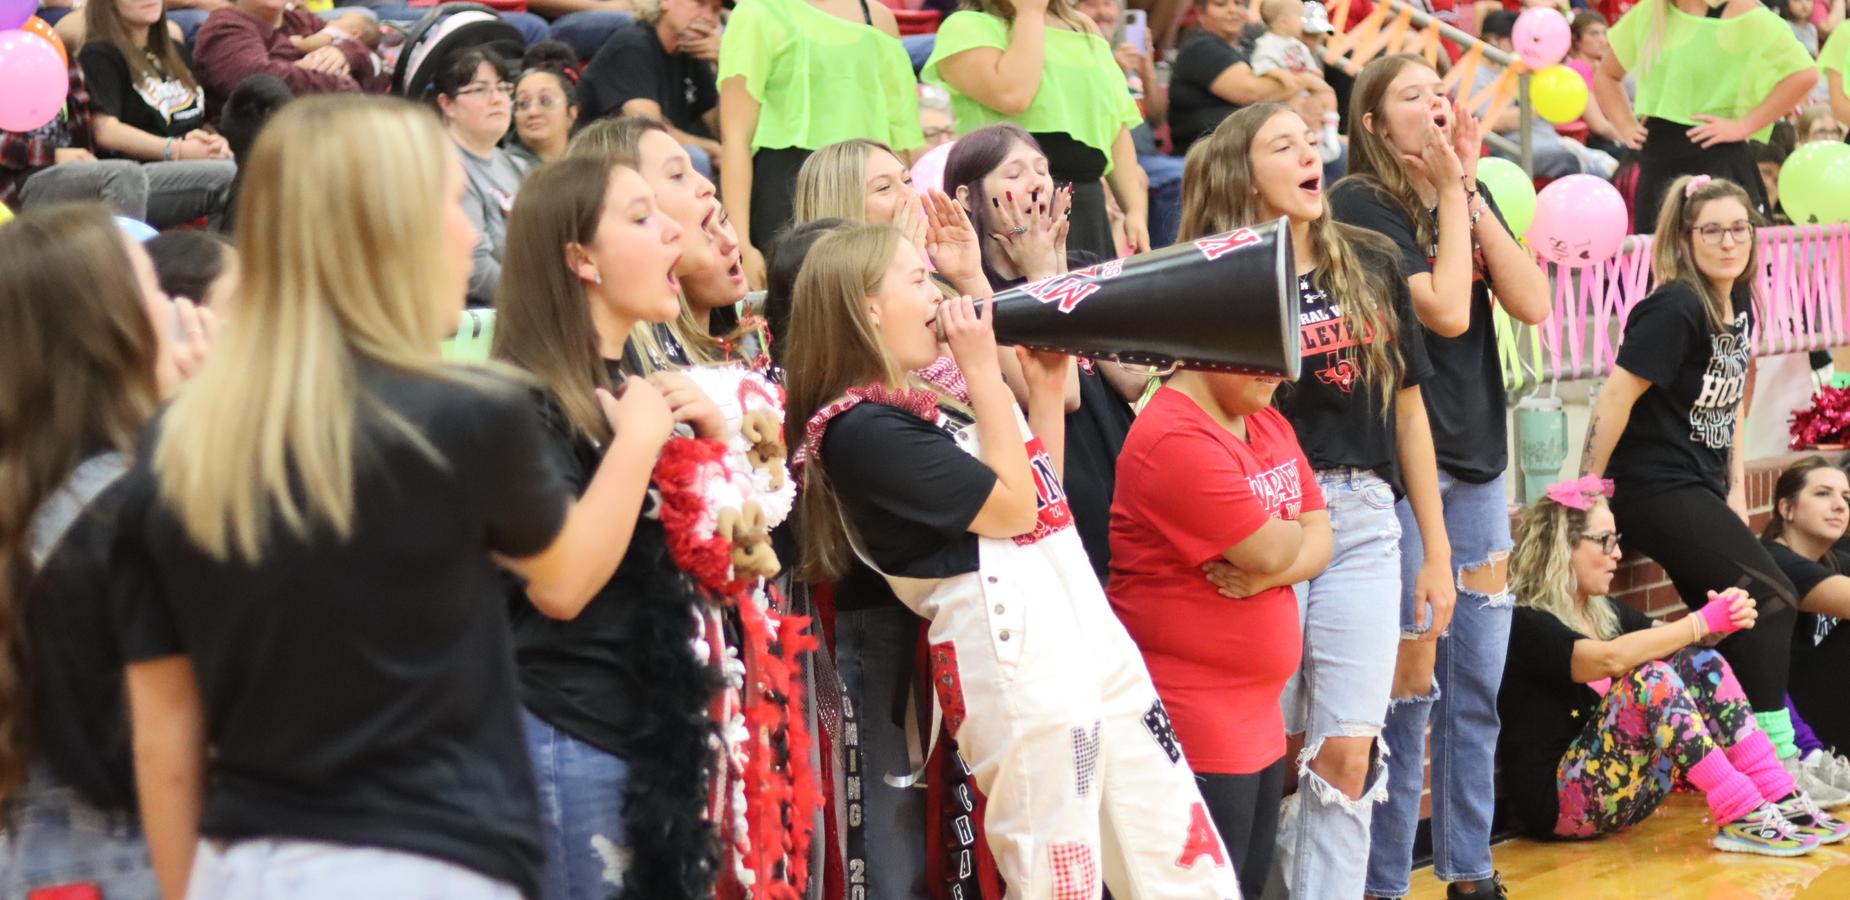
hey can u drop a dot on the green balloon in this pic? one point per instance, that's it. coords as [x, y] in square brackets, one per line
[1814, 184]
[1513, 190]
[471, 341]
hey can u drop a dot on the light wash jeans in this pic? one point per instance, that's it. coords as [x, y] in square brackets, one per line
[581, 813]
[50, 837]
[312, 870]
[1350, 615]
[1462, 706]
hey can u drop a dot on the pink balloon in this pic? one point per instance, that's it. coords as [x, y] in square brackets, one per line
[36, 81]
[14, 13]
[928, 172]
[1580, 221]
[1541, 36]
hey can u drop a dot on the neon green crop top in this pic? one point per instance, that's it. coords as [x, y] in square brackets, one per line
[1715, 67]
[820, 79]
[1083, 92]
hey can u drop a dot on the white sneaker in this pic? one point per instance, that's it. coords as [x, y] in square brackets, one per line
[1830, 768]
[1808, 776]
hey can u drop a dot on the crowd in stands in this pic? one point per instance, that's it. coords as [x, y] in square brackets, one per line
[288, 599]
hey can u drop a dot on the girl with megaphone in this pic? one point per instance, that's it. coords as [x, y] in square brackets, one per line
[959, 504]
[1359, 417]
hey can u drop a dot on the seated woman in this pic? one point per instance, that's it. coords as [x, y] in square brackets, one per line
[1811, 501]
[58, 162]
[145, 103]
[474, 96]
[1213, 74]
[260, 37]
[545, 109]
[1603, 712]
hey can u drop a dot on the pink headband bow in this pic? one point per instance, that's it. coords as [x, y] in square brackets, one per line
[1696, 183]
[1579, 493]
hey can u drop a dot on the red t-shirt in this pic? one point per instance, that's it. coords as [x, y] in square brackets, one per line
[1187, 491]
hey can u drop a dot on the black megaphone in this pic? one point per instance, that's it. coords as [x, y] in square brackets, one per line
[1224, 303]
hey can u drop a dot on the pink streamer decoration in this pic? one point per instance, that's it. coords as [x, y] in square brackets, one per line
[1804, 298]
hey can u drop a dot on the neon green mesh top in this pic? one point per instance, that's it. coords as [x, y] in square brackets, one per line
[1715, 67]
[820, 79]
[1835, 56]
[1083, 92]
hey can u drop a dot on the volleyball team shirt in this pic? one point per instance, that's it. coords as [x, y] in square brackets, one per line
[1187, 492]
[1337, 415]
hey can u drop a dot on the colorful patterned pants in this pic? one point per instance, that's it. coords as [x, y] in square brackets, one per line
[1656, 721]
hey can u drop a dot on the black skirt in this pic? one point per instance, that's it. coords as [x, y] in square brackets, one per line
[774, 190]
[1669, 154]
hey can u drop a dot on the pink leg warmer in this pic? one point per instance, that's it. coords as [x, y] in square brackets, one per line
[1731, 795]
[1753, 756]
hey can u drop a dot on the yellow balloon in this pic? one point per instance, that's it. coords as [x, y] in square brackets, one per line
[1559, 94]
[6, 215]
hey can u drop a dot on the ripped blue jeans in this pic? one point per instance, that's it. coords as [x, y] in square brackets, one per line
[581, 813]
[1462, 706]
[1350, 615]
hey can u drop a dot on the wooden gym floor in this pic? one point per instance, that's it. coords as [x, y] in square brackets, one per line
[1668, 857]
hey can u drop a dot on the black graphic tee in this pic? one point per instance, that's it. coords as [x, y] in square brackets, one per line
[1682, 429]
[1806, 574]
[1464, 397]
[165, 107]
[1338, 415]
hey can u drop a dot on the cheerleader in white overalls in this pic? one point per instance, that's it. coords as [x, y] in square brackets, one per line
[960, 506]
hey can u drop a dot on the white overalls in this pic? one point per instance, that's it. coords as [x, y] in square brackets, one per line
[1052, 709]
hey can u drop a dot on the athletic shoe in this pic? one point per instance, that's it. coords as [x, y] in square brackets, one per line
[1765, 832]
[1810, 776]
[1808, 818]
[1830, 768]
[1486, 889]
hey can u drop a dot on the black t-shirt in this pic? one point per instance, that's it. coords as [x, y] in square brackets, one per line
[1337, 415]
[909, 490]
[572, 673]
[73, 661]
[1095, 434]
[633, 65]
[1464, 396]
[1809, 634]
[1681, 430]
[362, 691]
[1194, 108]
[1543, 710]
[164, 108]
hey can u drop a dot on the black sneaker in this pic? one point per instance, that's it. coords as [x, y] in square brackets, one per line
[1487, 889]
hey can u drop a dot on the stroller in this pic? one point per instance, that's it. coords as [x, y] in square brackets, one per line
[446, 30]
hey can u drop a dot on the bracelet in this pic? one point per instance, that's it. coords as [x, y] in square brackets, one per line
[1696, 623]
[167, 151]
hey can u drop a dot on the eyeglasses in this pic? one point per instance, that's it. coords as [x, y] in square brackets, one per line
[1712, 233]
[500, 87]
[538, 102]
[1608, 540]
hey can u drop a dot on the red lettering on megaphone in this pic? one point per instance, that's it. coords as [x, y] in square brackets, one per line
[1222, 244]
[1065, 290]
